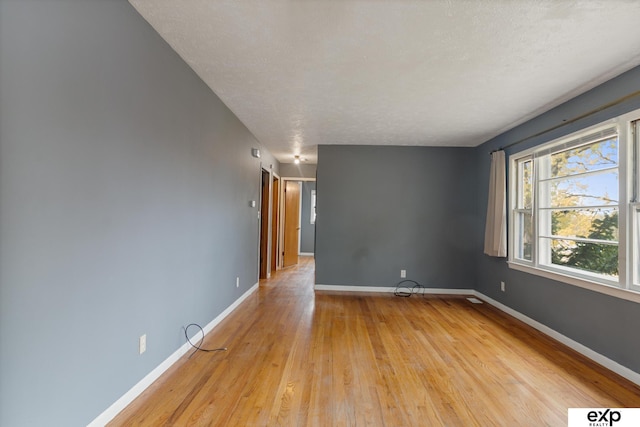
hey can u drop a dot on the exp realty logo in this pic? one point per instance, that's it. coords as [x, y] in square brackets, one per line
[604, 417]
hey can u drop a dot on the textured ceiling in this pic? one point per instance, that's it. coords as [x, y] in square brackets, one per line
[437, 72]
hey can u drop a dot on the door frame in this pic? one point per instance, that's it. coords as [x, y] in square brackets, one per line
[274, 235]
[268, 168]
[264, 224]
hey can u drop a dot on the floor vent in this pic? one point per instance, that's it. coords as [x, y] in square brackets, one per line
[475, 300]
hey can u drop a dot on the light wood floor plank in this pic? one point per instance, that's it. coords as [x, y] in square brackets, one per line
[302, 358]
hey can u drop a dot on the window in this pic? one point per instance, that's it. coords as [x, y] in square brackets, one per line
[524, 209]
[635, 205]
[313, 206]
[569, 206]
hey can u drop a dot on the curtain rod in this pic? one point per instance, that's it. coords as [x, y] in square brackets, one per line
[575, 119]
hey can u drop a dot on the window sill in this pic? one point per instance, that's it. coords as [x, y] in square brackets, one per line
[626, 294]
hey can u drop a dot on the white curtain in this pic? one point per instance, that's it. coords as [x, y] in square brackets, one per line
[495, 232]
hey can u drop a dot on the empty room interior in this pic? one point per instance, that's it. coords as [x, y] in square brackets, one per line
[262, 213]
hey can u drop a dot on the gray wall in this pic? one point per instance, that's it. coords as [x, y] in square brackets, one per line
[383, 209]
[597, 321]
[124, 206]
[290, 170]
[307, 230]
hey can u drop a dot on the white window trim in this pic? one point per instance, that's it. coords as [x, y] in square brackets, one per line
[628, 284]
[614, 291]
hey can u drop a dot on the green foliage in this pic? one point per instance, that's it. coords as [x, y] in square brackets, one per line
[600, 258]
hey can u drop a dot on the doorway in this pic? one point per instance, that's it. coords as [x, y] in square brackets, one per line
[275, 218]
[264, 226]
[307, 218]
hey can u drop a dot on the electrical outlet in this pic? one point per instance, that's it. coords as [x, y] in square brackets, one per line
[403, 274]
[237, 282]
[142, 345]
[502, 287]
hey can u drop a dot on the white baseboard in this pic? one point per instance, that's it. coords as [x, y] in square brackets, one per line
[306, 254]
[349, 288]
[142, 385]
[585, 351]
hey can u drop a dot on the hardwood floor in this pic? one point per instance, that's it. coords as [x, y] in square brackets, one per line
[299, 358]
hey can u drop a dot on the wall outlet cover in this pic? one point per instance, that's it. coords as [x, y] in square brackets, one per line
[142, 344]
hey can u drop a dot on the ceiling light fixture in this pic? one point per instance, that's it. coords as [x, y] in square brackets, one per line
[296, 160]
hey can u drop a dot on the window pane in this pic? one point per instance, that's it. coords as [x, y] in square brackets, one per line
[593, 257]
[525, 199]
[636, 228]
[524, 244]
[601, 224]
[586, 158]
[584, 190]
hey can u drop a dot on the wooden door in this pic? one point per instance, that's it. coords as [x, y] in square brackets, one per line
[264, 225]
[275, 220]
[291, 222]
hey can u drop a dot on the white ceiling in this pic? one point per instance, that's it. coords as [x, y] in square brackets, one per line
[395, 72]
